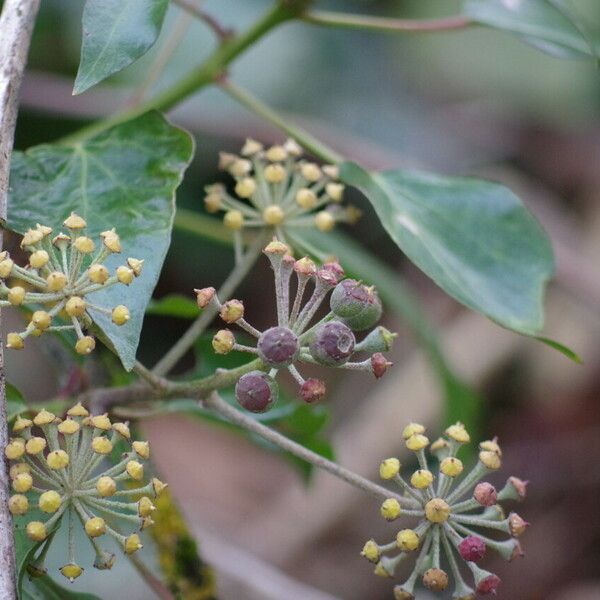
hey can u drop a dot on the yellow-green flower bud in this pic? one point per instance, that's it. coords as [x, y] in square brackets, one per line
[276, 247]
[310, 172]
[437, 510]
[371, 551]
[142, 449]
[274, 173]
[306, 199]
[21, 424]
[136, 265]
[120, 315]
[251, 147]
[273, 215]
[132, 544]
[85, 345]
[31, 237]
[16, 295]
[18, 504]
[335, 191]
[98, 274]
[84, 244]
[407, 540]
[74, 221]
[233, 220]
[125, 275]
[44, 417]
[41, 319]
[6, 266]
[71, 571]
[232, 311]
[61, 241]
[332, 171]
[39, 259]
[158, 486]
[491, 446]
[78, 410]
[106, 486]
[245, 187]
[14, 341]
[58, 459]
[240, 167]
[458, 433]
[95, 527]
[101, 422]
[213, 203]
[451, 466]
[22, 483]
[111, 240]
[102, 445]
[145, 506]
[490, 459]
[389, 468]
[75, 306]
[223, 341]
[146, 522]
[135, 470]
[421, 479]
[276, 154]
[35, 445]
[15, 449]
[411, 429]
[19, 468]
[390, 509]
[36, 531]
[69, 427]
[204, 296]
[324, 221]
[381, 571]
[49, 501]
[417, 442]
[56, 281]
[122, 429]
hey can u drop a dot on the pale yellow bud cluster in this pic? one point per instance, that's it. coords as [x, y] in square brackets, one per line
[275, 187]
[453, 509]
[62, 472]
[61, 272]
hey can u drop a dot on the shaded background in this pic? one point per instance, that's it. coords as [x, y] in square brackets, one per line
[467, 102]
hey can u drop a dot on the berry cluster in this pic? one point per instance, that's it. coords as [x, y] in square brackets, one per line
[330, 342]
[448, 519]
[276, 188]
[62, 271]
[59, 463]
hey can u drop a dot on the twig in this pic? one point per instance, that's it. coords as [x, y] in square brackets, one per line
[382, 24]
[304, 138]
[193, 9]
[158, 587]
[185, 342]
[16, 26]
[218, 405]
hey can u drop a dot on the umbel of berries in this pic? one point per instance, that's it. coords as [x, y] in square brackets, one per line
[59, 467]
[278, 189]
[296, 338]
[63, 272]
[453, 510]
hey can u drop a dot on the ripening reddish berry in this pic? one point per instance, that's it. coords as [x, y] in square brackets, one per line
[333, 344]
[256, 391]
[278, 346]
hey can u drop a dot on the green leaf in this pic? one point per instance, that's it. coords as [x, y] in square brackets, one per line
[561, 348]
[124, 177]
[45, 588]
[15, 401]
[546, 24]
[115, 34]
[174, 305]
[474, 238]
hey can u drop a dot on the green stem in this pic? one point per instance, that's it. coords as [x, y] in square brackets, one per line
[305, 139]
[385, 25]
[210, 70]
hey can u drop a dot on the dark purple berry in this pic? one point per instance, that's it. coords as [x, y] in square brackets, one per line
[278, 346]
[333, 344]
[472, 548]
[256, 391]
[312, 390]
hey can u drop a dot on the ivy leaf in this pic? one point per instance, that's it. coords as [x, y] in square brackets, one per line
[45, 588]
[174, 305]
[124, 177]
[474, 238]
[15, 401]
[115, 34]
[548, 25]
